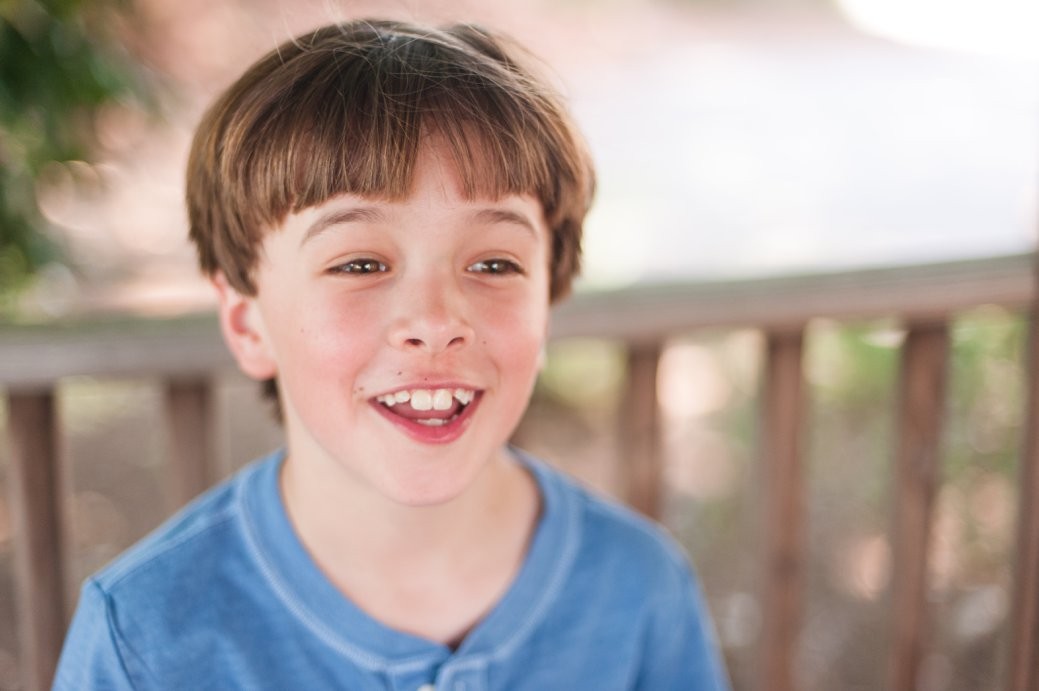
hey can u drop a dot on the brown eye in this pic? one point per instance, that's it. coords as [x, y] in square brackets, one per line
[496, 267]
[361, 266]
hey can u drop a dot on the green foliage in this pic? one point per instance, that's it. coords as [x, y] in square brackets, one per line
[987, 394]
[58, 67]
[853, 371]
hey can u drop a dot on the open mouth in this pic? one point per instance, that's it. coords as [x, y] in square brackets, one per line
[428, 407]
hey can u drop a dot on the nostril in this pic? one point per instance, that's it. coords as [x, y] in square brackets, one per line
[434, 342]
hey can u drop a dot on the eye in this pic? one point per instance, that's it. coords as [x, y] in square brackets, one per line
[495, 267]
[360, 266]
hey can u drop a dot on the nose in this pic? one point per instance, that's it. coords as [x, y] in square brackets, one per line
[432, 320]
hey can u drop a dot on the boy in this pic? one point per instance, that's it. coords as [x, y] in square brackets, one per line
[386, 212]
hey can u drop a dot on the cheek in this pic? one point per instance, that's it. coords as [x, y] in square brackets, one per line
[517, 337]
[329, 340]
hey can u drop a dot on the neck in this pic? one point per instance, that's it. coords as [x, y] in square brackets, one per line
[347, 526]
[432, 571]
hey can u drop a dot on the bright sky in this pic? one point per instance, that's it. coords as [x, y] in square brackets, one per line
[1007, 28]
[761, 148]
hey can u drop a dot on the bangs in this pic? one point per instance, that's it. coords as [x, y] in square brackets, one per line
[356, 126]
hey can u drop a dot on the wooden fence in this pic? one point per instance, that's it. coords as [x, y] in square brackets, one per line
[186, 353]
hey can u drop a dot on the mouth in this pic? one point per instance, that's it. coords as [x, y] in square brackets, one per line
[429, 414]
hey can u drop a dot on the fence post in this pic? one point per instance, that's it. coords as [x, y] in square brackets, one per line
[921, 405]
[190, 421]
[1024, 631]
[37, 494]
[642, 466]
[783, 528]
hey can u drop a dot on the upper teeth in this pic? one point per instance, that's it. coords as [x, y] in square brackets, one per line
[428, 399]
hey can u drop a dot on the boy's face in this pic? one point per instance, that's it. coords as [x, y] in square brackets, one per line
[405, 335]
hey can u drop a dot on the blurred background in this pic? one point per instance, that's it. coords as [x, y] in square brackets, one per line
[733, 139]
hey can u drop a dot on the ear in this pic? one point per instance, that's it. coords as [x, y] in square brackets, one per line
[244, 332]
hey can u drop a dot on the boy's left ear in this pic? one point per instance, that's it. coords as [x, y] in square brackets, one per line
[243, 330]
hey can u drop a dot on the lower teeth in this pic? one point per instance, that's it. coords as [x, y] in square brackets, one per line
[436, 422]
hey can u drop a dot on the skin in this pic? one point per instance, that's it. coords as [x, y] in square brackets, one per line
[424, 528]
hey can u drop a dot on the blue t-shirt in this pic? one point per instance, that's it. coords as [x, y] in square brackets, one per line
[224, 596]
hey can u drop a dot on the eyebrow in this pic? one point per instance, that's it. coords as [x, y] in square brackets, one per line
[361, 213]
[366, 214]
[505, 216]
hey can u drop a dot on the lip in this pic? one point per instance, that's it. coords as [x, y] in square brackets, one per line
[444, 434]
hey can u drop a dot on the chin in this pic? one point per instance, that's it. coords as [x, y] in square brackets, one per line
[423, 496]
[423, 475]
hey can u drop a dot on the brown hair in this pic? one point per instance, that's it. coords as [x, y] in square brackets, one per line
[344, 109]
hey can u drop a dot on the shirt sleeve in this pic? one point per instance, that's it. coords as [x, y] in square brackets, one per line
[681, 651]
[91, 657]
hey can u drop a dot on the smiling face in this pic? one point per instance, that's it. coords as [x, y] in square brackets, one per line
[405, 335]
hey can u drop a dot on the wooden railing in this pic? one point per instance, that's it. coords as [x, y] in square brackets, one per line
[186, 353]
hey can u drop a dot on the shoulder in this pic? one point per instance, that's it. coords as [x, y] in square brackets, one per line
[616, 540]
[197, 559]
[182, 542]
[139, 615]
[631, 596]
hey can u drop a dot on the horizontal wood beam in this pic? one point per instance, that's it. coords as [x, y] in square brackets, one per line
[36, 355]
[649, 313]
